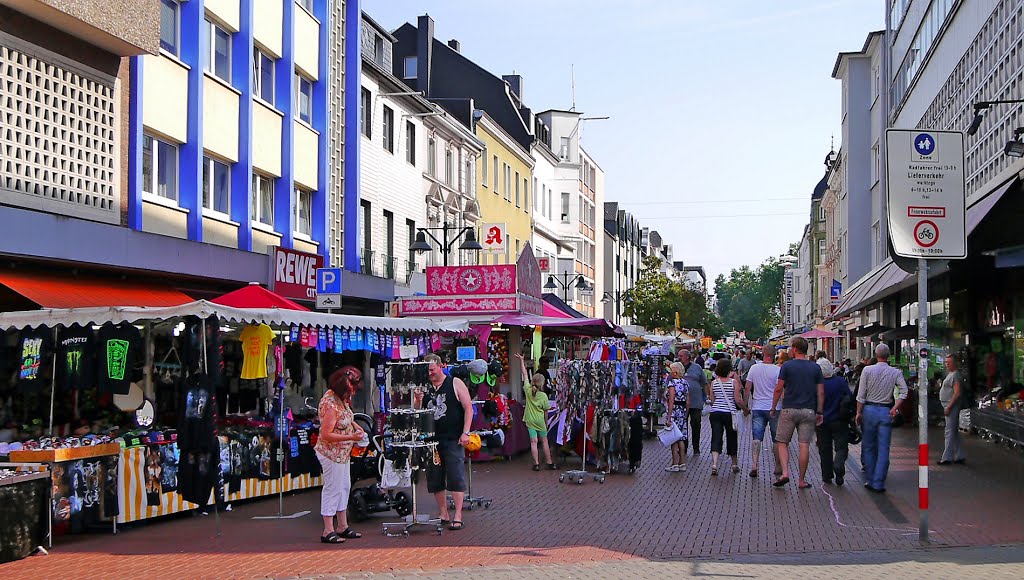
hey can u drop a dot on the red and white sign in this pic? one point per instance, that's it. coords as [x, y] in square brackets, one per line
[545, 264]
[293, 273]
[494, 237]
[926, 233]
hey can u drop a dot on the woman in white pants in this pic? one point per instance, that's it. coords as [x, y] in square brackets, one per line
[338, 433]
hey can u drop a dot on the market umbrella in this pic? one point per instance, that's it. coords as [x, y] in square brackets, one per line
[553, 312]
[817, 333]
[256, 296]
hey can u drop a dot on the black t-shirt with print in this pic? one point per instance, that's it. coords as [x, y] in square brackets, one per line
[119, 347]
[196, 427]
[75, 358]
[34, 348]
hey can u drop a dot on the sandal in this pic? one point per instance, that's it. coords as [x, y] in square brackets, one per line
[350, 534]
[456, 525]
[805, 485]
[552, 466]
[781, 481]
[753, 473]
[536, 467]
[332, 538]
[714, 471]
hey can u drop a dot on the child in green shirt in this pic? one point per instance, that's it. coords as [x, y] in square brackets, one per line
[536, 415]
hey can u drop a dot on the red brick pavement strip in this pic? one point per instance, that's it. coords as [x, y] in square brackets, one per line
[536, 520]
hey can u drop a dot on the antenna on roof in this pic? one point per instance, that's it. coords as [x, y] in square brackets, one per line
[572, 84]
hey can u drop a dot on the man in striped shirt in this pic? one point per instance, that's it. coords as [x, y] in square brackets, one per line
[875, 412]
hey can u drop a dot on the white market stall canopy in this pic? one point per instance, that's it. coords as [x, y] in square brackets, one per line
[203, 309]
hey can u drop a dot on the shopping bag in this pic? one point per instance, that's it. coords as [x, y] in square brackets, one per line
[670, 434]
[393, 478]
[736, 421]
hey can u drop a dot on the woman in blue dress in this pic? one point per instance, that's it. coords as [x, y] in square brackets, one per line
[678, 401]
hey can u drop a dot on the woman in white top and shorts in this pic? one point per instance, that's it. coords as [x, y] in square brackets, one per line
[725, 392]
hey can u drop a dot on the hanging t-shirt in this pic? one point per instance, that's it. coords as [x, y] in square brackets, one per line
[75, 346]
[198, 415]
[33, 348]
[118, 347]
[255, 342]
[193, 352]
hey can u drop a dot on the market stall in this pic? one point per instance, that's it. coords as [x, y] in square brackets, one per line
[167, 409]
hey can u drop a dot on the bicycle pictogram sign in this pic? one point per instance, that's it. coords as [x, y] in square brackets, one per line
[926, 233]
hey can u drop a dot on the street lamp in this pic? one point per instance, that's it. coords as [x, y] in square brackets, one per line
[421, 244]
[979, 112]
[578, 281]
[1015, 147]
[615, 297]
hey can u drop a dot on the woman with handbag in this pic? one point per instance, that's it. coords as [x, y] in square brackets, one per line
[678, 399]
[725, 393]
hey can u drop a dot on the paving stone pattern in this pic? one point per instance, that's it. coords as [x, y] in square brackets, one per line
[536, 521]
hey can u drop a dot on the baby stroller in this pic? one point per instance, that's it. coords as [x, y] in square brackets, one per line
[367, 463]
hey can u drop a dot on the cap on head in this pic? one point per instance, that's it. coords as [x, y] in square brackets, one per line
[828, 370]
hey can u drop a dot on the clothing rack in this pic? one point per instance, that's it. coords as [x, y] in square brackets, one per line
[414, 518]
[469, 500]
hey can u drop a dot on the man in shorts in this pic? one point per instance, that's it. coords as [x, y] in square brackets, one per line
[760, 389]
[449, 398]
[801, 386]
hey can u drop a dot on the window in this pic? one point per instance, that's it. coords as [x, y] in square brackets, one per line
[821, 212]
[410, 227]
[821, 252]
[304, 98]
[876, 244]
[517, 189]
[551, 211]
[159, 168]
[496, 176]
[410, 142]
[563, 149]
[535, 195]
[307, 4]
[389, 233]
[526, 195]
[409, 71]
[378, 50]
[218, 52]
[449, 167]
[389, 129]
[365, 231]
[366, 112]
[508, 182]
[303, 211]
[216, 186]
[467, 181]
[169, 26]
[432, 157]
[565, 207]
[263, 76]
[483, 168]
[875, 164]
[262, 199]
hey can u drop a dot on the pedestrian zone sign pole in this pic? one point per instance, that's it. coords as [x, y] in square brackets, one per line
[927, 220]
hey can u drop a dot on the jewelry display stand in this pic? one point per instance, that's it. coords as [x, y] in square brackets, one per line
[414, 518]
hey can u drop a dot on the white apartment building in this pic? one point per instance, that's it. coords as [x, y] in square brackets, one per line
[547, 241]
[802, 307]
[416, 168]
[623, 259]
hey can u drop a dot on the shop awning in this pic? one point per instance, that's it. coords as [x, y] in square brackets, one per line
[256, 296]
[204, 309]
[552, 312]
[53, 291]
[980, 209]
[553, 299]
[575, 326]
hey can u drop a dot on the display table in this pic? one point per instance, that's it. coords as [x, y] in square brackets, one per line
[24, 508]
[134, 505]
[999, 424]
[84, 484]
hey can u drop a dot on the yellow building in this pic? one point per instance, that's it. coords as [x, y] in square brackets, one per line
[503, 189]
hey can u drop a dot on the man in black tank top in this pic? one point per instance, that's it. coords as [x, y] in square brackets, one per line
[453, 413]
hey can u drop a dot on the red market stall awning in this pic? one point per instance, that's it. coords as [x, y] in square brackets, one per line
[569, 326]
[256, 296]
[65, 291]
[551, 311]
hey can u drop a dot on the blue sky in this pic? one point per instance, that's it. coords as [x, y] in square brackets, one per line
[721, 111]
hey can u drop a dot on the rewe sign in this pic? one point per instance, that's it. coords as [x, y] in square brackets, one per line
[293, 273]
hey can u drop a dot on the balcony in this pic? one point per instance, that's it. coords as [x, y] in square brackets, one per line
[127, 28]
[384, 266]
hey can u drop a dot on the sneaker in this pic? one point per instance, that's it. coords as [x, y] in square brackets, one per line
[670, 468]
[681, 467]
[735, 468]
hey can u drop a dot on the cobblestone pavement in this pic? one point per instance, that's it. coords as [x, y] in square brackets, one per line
[536, 521]
[952, 563]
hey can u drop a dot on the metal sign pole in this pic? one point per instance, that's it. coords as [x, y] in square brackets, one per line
[922, 396]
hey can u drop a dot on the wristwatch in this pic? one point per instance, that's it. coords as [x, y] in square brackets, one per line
[466, 433]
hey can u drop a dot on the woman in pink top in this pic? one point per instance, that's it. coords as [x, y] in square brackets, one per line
[338, 433]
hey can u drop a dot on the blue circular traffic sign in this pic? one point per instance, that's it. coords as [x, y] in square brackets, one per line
[924, 144]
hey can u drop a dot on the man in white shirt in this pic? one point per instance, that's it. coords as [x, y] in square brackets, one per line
[759, 390]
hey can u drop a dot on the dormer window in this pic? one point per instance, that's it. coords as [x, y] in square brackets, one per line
[410, 67]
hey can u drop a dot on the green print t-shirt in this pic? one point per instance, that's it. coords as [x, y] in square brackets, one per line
[118, 346]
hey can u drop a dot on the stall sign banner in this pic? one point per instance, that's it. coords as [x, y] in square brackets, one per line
[426, 306]
[471, 280]
[330, 341]
[339, 341]
[435, 342]
[408, 351]
[322, 340]
[311, 337]
[494, 237]
[294, 334]
[293, 273]
[304, 336]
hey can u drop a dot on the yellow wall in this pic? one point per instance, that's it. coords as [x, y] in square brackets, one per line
[220, 233]
[225, 10]
[220, 119]
[306, 155]
[164, 98]
[266, 139]
[307, 43]
[493, 206]
[268, 22]
[167, 221]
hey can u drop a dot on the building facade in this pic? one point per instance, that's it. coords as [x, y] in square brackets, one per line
[506, 197]
[623, 259]
[548, 244]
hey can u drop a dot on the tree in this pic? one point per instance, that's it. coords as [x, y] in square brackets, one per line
[656, 298]
[748, 299]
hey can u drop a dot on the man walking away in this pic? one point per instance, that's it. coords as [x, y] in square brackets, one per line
[697, 386]
[834, 432]
[951, 396]
[875, 411]
[760, 386]
[801, 382]
[746, 363]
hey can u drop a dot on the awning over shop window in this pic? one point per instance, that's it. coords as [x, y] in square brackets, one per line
[60, 291]
[979, 210]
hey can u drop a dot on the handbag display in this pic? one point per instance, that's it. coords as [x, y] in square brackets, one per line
[670, 434]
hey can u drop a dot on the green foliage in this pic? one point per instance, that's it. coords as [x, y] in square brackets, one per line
[749, 299]
[656, 298]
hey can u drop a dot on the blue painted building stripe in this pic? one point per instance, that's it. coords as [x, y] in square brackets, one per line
[243, 52]
[284, 186]
[190, 153]
[353, 83]
[135, 143]
[321, 123]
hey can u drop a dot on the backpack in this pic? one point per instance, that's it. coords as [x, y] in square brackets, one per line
[847, 406]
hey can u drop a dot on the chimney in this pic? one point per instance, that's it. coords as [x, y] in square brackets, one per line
[515, 82]
[424, 52]
[454, 45]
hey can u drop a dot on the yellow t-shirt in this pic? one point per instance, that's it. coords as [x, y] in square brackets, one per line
[255, 342]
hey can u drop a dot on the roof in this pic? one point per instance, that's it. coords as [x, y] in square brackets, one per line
[819, 190]
[383, 31]
[862, 52]
[553, 299]
[52, 291]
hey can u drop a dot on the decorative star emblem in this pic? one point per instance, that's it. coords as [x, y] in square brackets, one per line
[471, 280]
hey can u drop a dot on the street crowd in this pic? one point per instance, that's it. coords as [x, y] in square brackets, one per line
[835, 403]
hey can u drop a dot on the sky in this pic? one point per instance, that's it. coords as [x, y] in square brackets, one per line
[722, 113]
